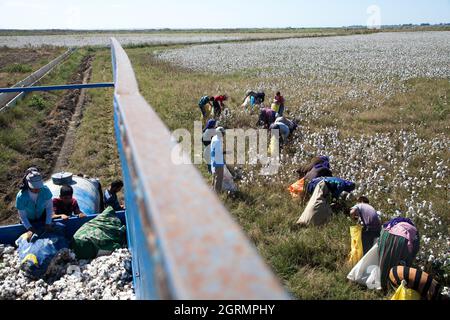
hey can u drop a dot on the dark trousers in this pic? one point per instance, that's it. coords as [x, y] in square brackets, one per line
[203, 110]
[368, 239]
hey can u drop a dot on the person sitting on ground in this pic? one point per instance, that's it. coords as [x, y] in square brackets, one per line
[217, 159]
[110, 196]
[368, 217]
[218, 105]
[202, 104]
[266, 117]
[398, 245]
[66, 205]
[278, 104]
[34, 203]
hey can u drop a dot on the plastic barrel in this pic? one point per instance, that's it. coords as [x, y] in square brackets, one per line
[86, 191]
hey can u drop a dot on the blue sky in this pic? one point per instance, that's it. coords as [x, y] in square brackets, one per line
[136, 14]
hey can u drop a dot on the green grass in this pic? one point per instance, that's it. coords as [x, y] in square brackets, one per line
[17, 64]
[95, 152]
[19, 68]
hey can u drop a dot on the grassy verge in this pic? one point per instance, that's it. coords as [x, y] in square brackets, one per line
[95, 152]
[17, 64]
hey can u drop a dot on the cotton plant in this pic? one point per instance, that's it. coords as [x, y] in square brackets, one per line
[104, 40]
[367, 69]
[381, 58]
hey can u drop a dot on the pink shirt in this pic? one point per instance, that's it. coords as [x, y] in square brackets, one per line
[405, 230]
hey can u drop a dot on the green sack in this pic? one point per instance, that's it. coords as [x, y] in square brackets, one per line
[105, 233]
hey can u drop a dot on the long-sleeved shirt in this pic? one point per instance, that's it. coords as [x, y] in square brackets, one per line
[111, 200]
[284, 129]
[217, 160]
[220, 100]
[31, 206]
[279, 99]
[204, 101]
[405, 230]
[368, 216]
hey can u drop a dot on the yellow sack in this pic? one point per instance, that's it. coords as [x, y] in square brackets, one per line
[403, 293]
[276, 107]
[357, 251]
[207, 116]
[298, 188]
[274, 146]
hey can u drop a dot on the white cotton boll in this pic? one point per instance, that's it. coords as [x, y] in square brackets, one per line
[76, 284]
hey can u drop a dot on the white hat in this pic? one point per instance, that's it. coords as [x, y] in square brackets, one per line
[220, 130]
[34, 180]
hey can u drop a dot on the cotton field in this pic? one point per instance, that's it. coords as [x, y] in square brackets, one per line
[103, 40]
[322, 72]
[380, 56]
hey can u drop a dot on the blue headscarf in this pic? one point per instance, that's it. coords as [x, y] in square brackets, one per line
[211, 124]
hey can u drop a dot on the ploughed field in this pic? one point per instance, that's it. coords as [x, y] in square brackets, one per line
[377, 104]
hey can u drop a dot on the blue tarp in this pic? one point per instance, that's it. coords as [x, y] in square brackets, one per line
[36, 255]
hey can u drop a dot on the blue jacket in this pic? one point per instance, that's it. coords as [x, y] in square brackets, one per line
[217, 160]
[336, 185]
[34, 211]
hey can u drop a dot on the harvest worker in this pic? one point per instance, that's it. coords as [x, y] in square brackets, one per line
[66, 205]
[398, 245]
[323, 161]
[283, 130]
[368, 217]
[252, 99]
[209, 132]
[278, 104]
[34, 203]
[203, 104]
[217, 159]
[110, 196]
[218, 105]
[292, 124]
[266, 117]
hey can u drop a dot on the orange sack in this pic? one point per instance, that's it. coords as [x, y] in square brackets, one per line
[298, 188]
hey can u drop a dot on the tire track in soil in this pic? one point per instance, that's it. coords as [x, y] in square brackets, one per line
[52, 143]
